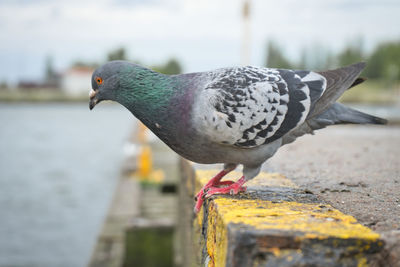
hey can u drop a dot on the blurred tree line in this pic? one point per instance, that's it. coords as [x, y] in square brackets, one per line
[382, 63]
[172, 66]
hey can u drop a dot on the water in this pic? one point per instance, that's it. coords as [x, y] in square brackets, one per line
[59, 164]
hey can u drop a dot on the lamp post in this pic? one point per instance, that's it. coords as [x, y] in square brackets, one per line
[246, 39]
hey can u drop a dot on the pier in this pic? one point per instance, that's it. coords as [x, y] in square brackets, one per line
[279, 221]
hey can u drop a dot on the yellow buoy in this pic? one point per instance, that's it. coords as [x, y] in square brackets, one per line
[145, 163]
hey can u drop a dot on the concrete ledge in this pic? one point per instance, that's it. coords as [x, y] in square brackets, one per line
[140, 224]
[275, 224]
[110, 246]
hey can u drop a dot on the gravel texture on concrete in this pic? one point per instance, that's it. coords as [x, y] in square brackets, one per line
[356, 169]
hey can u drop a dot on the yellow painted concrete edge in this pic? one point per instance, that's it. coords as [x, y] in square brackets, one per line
[315, 220]
[263, 179]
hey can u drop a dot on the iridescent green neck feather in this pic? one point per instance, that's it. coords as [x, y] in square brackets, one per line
[162, 102]
[144, 92]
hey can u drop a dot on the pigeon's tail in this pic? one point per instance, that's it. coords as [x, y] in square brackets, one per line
[336, 114]
[340, 114]
[337, 82]
[327, 111]
[358, 81]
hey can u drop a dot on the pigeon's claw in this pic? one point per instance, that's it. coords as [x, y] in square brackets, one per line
[208, 186]
[199, 203]
[215, 181]
[232, 189]
[224, 187]
[228, 182]
[202, 195]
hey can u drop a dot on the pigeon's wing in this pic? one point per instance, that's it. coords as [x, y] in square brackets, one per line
[337, 81]
[249, 106]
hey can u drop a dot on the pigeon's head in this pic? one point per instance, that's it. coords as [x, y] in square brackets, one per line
[129, 84]
[106, 80]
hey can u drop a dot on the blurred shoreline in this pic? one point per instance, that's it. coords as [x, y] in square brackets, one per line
[371, 92]
[371, 97]
[41, 95]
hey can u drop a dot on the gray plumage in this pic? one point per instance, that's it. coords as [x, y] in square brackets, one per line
[233, 116]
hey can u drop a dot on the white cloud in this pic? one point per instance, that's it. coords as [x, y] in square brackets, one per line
[202, 34]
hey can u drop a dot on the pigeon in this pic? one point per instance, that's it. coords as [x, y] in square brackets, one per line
[237, 115]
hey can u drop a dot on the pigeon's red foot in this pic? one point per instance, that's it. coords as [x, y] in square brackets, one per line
[232, 189]
[215, 181]
[224, 187]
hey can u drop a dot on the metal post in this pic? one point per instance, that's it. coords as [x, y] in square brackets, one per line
[246, 38]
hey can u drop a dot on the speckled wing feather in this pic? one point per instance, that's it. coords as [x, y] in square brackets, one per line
[250, 106]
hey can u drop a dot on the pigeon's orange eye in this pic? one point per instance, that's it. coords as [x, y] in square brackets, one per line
[99, 80]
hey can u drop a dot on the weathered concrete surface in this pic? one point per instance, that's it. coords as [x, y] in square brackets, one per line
[275, 224]
[354, 168]
[265, 233]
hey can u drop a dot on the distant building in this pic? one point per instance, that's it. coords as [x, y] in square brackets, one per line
[77, 80]
[30, 85]
[51, 81]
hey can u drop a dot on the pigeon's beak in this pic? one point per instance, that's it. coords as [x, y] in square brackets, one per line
[92, 99]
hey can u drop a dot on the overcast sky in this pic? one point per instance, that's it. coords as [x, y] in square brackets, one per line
[202, 34]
